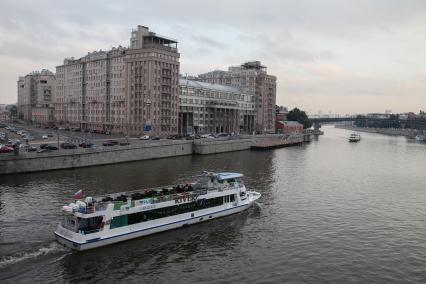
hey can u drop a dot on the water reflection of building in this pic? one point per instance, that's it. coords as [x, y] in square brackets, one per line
[213, 108]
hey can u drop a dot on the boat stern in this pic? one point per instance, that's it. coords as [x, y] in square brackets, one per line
[67, 238]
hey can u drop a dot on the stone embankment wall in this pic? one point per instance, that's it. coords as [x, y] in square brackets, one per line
[33, 162]
[66, 159]
[212, 147]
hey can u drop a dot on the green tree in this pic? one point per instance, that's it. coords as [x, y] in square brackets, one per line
[299, 116]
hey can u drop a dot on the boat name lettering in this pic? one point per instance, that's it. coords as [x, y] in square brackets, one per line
[185, 198]
[149, 206]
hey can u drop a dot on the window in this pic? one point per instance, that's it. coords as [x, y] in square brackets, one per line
[144, 216]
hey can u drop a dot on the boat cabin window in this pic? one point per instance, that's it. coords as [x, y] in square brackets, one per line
[71, 223]
[90, 225]
[144, 216]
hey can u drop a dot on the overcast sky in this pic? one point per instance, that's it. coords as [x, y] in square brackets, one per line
[334, 56]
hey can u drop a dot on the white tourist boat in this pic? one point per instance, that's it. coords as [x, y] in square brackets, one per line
[354, 137]
[100, 221]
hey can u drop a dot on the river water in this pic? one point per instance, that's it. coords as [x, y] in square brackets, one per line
[331, 211]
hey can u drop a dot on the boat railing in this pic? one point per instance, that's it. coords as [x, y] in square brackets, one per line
[103, 205]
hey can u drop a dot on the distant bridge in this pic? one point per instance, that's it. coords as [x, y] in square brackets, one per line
[413, 123]
[318, 120]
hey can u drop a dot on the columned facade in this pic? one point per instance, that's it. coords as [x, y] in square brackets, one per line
[211, 108]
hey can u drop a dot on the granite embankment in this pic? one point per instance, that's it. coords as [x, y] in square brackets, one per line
[409, 133]
[65, 159]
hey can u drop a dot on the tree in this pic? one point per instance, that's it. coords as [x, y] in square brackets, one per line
[299, 116]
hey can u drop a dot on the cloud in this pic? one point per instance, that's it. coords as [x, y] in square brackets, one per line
[322, 52]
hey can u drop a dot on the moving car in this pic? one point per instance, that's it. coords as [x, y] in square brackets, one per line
[86, 144]
[44, 136]
[48, 147]
[44, 151]
[155, 138]
[110, 143]
[51, 147]
[145, 137]
[67, 145]
[30, 149]
[6, 149]
[124, 143]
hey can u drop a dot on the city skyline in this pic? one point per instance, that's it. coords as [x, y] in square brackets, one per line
[351, 58]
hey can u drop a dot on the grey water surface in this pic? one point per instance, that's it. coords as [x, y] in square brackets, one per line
[330, 212]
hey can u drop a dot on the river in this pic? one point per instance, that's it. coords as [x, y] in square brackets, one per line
[330, 211]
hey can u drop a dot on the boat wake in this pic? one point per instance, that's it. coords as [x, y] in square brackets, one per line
[13, 259]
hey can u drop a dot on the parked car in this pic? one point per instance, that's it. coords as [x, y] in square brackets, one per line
[50, 147]
[110, 143]
[44, 151]
[49, 135]
[30, 149]
[174, 137]
[155, 138]
[193, 136]
[222, 135]
[86, 144]
[44, 136]
[67, 145]
[42, 146]
[6, 149]
[144, 137]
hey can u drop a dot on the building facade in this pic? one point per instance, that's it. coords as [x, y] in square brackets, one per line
[90, 91]
[152, 84]
[251, 78]
[289, 127]
[213, 108]
[36, 93]
[124, 90]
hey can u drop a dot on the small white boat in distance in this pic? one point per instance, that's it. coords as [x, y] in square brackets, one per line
[354, 137]
[100, 221]
[421, 138]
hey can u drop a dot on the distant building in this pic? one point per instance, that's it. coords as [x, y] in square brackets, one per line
[289, 127]
[36, 93]
[124, 90]
[213, 108]
[251, 78]
[281, 113]
[3, 113]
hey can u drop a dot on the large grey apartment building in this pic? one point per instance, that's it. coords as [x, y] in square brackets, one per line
[124, 90]
[251, 78]
[36, 97]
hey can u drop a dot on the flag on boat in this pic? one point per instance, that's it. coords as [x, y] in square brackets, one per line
[78, 195]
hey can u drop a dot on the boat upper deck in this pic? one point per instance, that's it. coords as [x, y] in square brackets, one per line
[143, 198]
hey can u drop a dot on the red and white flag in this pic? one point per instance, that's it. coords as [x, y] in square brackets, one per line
[79, 194]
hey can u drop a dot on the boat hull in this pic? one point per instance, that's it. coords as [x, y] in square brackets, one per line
[99, 242]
